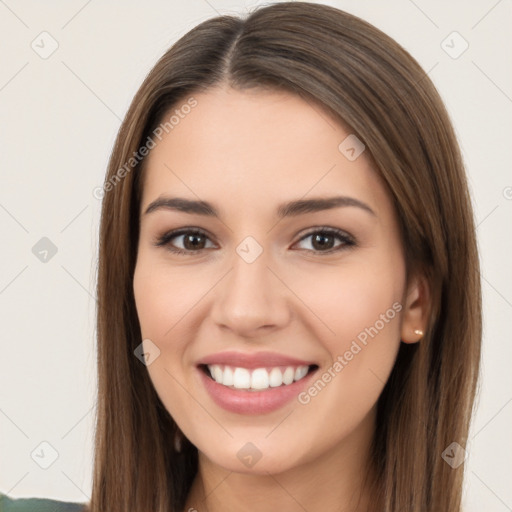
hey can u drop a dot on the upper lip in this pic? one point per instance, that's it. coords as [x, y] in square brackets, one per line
[252, 360]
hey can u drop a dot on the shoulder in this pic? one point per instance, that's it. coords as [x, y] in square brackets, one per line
[38, 505]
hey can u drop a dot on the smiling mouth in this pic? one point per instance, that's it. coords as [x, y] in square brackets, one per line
[257, 379]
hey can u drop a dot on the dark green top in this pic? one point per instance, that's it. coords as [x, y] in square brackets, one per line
[37, 505]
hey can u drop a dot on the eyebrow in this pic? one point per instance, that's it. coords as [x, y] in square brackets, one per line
[289, 209]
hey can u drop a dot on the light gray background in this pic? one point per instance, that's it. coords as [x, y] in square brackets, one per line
[59, 118]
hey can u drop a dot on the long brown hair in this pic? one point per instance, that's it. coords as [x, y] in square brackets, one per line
[374, 87]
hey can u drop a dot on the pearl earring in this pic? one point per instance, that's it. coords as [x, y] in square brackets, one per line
[418, 332]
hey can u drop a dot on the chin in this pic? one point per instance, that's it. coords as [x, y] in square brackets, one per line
[258, 457]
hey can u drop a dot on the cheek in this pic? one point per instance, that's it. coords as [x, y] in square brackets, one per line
[162, 301]
[162, 305]
[351, 298]
[163, 298]
[361, 305]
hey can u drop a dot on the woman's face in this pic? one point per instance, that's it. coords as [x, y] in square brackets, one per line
[291, 288]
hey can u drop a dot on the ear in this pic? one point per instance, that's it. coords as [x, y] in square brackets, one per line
[416, 309]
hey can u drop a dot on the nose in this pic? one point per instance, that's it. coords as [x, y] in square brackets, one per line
[251, 299]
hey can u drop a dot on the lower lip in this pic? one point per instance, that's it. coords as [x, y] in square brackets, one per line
[253, 402]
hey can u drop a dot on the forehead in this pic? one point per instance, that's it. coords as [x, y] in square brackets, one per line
[262, 146]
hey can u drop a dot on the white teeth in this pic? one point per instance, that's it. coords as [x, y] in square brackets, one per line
[257, 379]
[301, 372]
[217, 372]
[288, 375]
[227, 378]
[241, 378]
[275, 377]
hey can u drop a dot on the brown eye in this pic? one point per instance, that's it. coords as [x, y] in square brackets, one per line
[192, 240]
[324, 240]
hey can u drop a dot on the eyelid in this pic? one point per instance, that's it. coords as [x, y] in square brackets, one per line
[332, 231]
[347, 239]
[165, 239]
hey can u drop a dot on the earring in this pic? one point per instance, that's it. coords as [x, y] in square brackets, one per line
[418, 332]
[177, 441]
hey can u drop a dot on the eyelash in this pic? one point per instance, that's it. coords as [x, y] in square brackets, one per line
[164, 240]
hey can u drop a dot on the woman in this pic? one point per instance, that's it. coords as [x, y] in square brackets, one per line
[289, 306]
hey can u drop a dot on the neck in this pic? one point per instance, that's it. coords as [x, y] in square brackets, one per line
[334, 480]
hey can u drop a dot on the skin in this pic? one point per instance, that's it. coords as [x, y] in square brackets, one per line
[247, 152]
